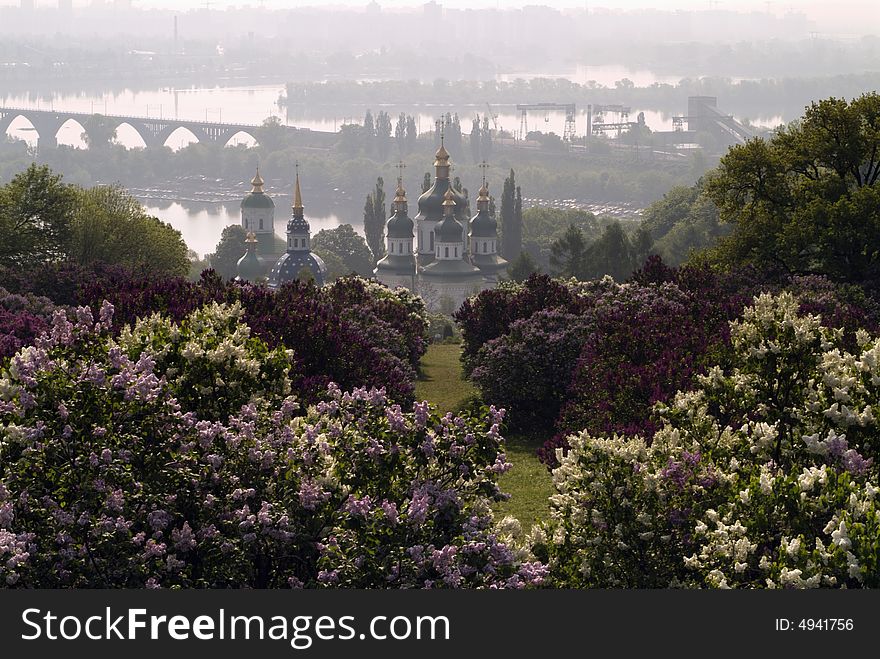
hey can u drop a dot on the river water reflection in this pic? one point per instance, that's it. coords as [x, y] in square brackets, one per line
[253, 103]
[201, 224]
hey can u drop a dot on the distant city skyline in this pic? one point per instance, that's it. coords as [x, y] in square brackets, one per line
[853, 16]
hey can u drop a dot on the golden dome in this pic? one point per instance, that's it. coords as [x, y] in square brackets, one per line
[257, 182]
[449, 198]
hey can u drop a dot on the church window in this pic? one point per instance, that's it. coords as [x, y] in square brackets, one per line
[432, 241]
[246, 224]
[296, 242]
[485, 247]
[456, 252]
[392, 248]
[447, 252]
[261, 223]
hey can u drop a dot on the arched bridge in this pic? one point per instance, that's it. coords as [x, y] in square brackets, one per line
[154, 132]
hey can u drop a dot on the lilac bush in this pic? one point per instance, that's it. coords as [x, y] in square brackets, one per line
[353, 332]
[764, 476]
[173, 455]
[22, 319]
[527, 369]
[645, 343]
[490, 314]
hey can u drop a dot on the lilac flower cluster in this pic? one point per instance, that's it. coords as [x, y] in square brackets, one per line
[352, 332]
[22, 319]
[763, 476]
[172, 455]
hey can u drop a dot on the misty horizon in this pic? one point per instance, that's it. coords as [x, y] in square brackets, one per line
[841, 19]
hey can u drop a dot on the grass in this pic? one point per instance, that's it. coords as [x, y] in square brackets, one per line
[441, 383]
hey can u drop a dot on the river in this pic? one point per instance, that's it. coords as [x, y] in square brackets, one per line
[201, 223]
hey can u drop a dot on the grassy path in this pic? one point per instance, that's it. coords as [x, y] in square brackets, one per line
[528, 482]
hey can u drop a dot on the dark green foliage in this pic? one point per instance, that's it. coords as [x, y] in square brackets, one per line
[511, 219]
[346, 248]
[523, 267]
[37, 211]
[807, 200]
[98, 133]
[272, 135]
[228, 251]
[568, 256]
[374, 220]
[44, 220]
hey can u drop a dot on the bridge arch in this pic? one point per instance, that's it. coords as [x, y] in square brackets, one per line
[126, 132]
[70, 131]
[9, 118]
[180, 140]
[244, 137]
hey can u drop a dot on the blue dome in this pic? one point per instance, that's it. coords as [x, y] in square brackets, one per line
[288, 267]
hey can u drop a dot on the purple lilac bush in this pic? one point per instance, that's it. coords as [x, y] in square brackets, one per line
[22, 319]
[527, 369]
[623, 347]
[173, 455]
[764, 475]
[353, 332]
[490, 314]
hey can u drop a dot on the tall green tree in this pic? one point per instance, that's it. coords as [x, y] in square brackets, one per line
[383, 135]
[36, 213]
[612, 254]
[523, 267]
[400, 135]
[808, 199]
[412, 134]
[369, 134]
[272, 135]
[98, 132]
[374, 220]
[345, 246]
[475, 140]
[568, 255]
[111, 226]
[511, 218]
[486, 140]
[228, 251]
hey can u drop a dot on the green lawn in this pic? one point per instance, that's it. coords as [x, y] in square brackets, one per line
[528, 483]
[441, 382]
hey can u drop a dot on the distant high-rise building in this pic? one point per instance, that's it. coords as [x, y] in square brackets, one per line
[433, 11]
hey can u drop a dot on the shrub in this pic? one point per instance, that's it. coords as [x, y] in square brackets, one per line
[764, 476]
[490, 314]
[174, 457]
[527, 370]
[645, 343]
[353, 332]
[22, 319]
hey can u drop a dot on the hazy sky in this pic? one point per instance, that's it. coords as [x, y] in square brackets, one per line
[862, 15]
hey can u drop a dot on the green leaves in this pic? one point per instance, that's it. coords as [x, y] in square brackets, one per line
[806, 201]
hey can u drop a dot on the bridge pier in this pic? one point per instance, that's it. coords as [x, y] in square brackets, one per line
[47, 127]
[154, 132]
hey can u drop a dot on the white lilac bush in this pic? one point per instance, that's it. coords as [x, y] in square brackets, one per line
[765, 476]
[174, 456]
